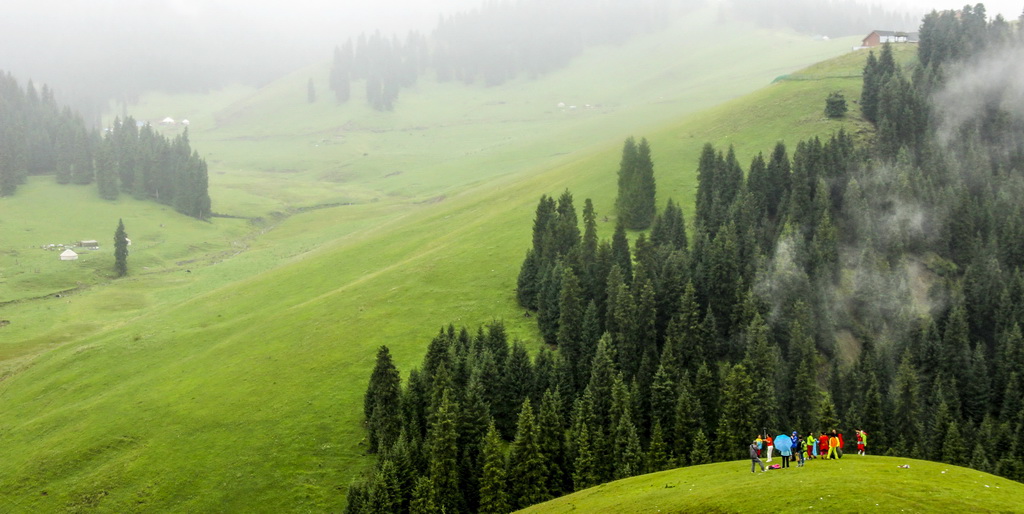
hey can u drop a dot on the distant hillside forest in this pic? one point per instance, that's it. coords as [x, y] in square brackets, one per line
[39, 138]
[498, 42]
[831, 285]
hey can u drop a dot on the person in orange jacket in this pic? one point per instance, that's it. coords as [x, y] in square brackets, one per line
[770, 443]
[833, 445]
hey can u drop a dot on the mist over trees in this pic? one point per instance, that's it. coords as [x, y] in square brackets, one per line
[493, 44]
[794, 301]
[39, 138]
[112, 51]
[829, 18]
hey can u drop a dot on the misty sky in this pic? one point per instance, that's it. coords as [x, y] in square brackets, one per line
[1010, 9]
[88, 48]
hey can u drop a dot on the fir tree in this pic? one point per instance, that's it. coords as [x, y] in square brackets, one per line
[444, 457]
[493, 482]
[584, 473]
[737, 420]
[835, 105]
[953, 449]
[526, 462]
[120, 250]
[701, 449]
[657, 451]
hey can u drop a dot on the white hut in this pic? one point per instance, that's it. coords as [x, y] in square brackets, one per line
[184, 122]
[167, 121]
[69, 255]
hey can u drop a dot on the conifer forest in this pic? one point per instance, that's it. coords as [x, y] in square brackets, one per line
[38, 137]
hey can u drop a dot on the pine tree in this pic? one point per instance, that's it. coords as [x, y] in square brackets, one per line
[701, 449]
[357, 499]
[953, 449]
[385, 494]
[628, 454]
[835, 105]
[906, 412]
[737, 420]
[493, 482]
[657, 451]
[570, 330]
[551, 439]
[620, 252]
[106, 173]
[381, 402]
[120, 250]
[526, 462]
[423, 498]
[584, 473]
[707, 189]
[444, 457]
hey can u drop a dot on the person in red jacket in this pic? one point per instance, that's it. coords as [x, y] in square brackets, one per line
[823, 445]
[841, 445]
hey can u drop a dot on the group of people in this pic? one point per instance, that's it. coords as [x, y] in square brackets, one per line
[825, 445]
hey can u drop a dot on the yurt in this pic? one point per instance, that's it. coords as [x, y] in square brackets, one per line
[69, 255]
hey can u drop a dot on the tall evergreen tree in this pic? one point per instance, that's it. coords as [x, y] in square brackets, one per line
[444, 457]
[737, 419]
[120, 250]
[526, 462]
[493, 482]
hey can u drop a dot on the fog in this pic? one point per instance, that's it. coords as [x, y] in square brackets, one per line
[1010, 9]
[91, 51]
[95, 51]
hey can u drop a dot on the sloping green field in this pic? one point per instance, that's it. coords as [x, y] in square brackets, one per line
[851, 484]
[229, 375]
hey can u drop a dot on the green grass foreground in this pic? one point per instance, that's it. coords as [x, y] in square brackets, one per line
[851, 484]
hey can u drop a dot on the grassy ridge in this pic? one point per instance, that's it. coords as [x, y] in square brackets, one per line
[851, 484]
[238, 385]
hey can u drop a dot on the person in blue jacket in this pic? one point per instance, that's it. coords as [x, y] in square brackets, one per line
[798, 449]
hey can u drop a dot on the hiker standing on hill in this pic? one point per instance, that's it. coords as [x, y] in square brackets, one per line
[755, 459]
[812, 447]
[771, 446]
[862, 442]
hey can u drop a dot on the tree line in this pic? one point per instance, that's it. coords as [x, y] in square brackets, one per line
[834, 285]
[491, 45]
[39, 138]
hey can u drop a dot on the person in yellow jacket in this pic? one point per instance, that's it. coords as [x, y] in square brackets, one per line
[812, 446]
[833, 445]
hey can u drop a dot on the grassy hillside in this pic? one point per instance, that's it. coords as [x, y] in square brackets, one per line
[237, 384]
[852, 484]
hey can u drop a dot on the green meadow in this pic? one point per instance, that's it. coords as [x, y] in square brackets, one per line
[226, 372]
[851, 484]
